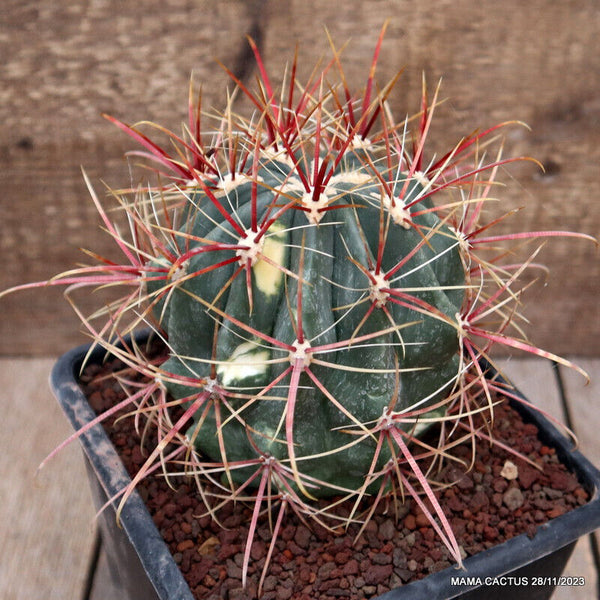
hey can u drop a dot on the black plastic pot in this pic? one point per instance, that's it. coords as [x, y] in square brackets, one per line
[143, 568]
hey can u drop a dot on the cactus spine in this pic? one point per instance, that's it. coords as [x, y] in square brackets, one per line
[324, 292]
[326, 309]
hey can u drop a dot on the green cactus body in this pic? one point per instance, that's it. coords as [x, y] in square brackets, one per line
[368, 349]
[319, 309]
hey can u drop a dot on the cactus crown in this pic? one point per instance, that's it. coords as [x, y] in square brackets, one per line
[324, 289]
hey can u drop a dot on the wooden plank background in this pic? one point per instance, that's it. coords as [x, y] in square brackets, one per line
[63, 64]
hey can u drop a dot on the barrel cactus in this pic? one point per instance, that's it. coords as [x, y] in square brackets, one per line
[309, 305]
[325, 294]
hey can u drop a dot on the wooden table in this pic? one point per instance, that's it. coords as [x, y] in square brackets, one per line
[49, 544]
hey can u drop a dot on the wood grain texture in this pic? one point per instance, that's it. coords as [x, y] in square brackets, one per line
[46, 519]
[583, 400]
[538, 62]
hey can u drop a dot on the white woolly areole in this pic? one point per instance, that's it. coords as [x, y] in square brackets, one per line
[462, 324]
[230, 181]
[421, 178]
[211, 385]
[357, 178]
[300, 352]
[251, 249]
[463, 242]
[315, 207]
[398, 211]
[359, 142]
[386, 421]
[179, 272]
[377, 291]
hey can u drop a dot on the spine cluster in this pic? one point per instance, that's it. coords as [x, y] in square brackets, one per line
[325, 288]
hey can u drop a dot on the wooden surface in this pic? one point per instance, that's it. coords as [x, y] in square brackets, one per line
[46, 520]
[66, 63]
[46, 527]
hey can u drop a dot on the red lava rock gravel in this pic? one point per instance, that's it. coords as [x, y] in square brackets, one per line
[396, 547]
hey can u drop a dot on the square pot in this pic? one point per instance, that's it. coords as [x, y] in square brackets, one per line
[143, 568]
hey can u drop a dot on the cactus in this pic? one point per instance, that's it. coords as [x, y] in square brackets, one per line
[334, 293]
[324, 293]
